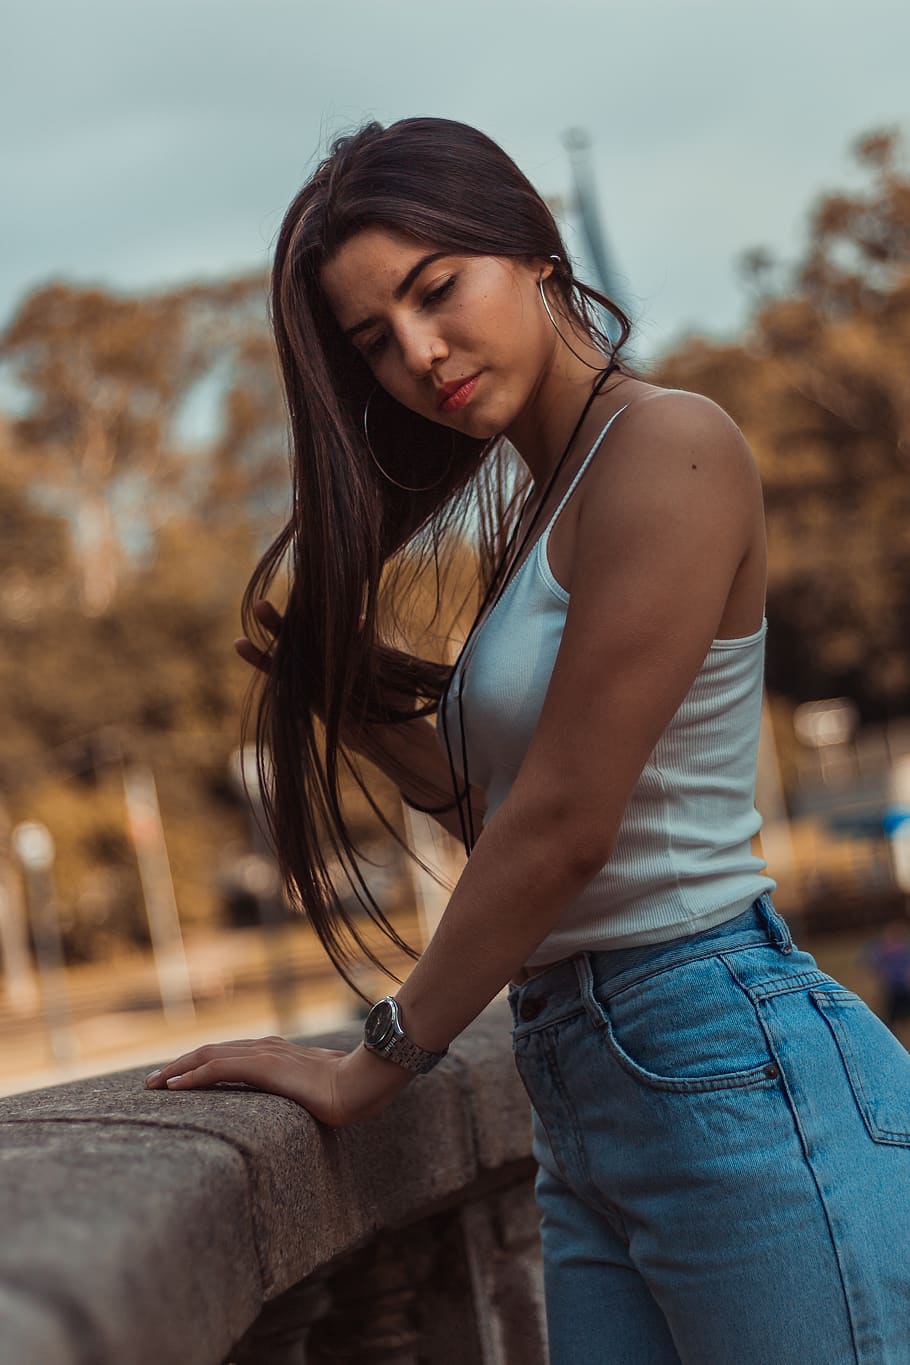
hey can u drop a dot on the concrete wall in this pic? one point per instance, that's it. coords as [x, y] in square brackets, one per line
[144, 1227]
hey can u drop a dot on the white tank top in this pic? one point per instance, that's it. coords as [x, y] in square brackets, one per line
[682, 860]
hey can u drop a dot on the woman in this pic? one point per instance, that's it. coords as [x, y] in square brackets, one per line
[722, 1131]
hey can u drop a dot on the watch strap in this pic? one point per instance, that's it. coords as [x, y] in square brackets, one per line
[399, 1048]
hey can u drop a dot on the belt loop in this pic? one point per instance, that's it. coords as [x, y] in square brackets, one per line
[778, 932]
[582, 963]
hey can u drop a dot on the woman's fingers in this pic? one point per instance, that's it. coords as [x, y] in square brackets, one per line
[270, 616]
[248, 652]
[272, 619]
[209, 1052]
[307, 1075]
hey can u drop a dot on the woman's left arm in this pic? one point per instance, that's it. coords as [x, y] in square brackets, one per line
[666, 521]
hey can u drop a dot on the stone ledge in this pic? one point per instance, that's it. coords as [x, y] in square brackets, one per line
[151, 1226]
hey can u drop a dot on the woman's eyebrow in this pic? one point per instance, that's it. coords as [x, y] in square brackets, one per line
[401, 289]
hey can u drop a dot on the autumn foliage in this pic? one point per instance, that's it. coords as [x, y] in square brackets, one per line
[143, 468]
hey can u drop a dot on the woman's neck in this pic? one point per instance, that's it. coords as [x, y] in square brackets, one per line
[541, 430]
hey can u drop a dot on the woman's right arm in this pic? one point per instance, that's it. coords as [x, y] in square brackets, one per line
[408, 753]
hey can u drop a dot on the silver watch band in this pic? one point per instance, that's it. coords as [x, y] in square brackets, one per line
[409, 1055]
[384, 1035]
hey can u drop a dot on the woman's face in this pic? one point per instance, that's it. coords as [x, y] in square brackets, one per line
[429, 322]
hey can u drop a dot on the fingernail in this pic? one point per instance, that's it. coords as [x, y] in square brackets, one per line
[172, 1079]
[152, 1075]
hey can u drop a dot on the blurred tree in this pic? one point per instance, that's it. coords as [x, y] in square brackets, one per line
[245, 450]
[819, 388]
[249, 455]
[101, 375]
[105, 380]
[816, 383]
[157, 674]
[36, 552]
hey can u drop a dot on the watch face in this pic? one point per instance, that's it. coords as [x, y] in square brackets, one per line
[378, 1024]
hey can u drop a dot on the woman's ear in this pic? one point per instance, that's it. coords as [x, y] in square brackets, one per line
[545, 269]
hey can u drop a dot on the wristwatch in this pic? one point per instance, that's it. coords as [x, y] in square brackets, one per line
[383, 1034]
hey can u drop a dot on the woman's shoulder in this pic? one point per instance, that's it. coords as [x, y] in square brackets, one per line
[654, 407]
[674, 450]
[675, 424]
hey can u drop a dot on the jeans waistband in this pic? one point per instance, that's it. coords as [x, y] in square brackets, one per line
[619, 967]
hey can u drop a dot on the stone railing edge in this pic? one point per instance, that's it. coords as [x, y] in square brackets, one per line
[99, 1178]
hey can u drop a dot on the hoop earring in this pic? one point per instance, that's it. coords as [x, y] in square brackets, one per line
[384, 472]
[559, 333]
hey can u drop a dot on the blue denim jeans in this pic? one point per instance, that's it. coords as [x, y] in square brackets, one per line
[722, 1134]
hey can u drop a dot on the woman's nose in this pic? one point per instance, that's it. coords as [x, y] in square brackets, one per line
[421, 351]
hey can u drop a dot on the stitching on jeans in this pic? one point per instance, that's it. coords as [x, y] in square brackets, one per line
[854, 1075]
[781, 985]
[528, 1027]
[769, 1025]
[687, 1085]
[556, 1076]
[714, 949]
[556, 1072]
[778, 929]
[534, 1065]
[775, 1048]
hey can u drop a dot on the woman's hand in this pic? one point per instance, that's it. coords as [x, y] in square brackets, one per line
[337, 1088]
[272, 619]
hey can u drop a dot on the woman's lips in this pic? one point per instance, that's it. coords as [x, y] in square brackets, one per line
[460, 396]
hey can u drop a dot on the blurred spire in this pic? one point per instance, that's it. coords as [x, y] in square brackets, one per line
[578, 144]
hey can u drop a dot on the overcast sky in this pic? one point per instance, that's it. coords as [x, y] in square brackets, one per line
[148, 142]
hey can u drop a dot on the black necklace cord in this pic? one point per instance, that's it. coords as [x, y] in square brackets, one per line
[467, 828]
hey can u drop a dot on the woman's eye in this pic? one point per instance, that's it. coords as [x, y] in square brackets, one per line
[441, 292]
[372, 348]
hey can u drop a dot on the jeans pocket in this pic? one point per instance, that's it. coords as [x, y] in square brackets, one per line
[689, 1028]
[876, 1063]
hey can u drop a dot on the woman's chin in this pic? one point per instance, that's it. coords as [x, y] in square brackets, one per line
[482, 431]
[479, 425]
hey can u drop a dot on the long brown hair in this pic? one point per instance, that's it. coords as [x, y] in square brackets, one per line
[352, 534]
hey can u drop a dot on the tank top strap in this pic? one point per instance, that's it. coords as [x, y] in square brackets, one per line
[581, 469]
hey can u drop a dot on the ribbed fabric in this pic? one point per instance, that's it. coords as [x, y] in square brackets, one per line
[682, 861]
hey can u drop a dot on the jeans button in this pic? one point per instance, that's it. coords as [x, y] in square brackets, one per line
[771, 1071]
[530, 1009]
